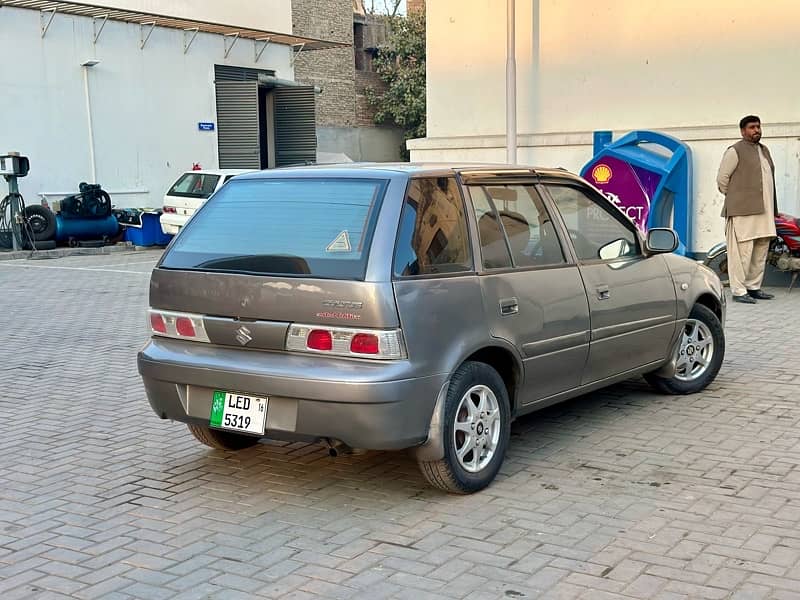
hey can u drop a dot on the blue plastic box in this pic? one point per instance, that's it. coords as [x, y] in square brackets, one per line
[148, 233]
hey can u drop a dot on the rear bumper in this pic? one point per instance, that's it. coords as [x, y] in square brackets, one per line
[171, 223]
[365, 405]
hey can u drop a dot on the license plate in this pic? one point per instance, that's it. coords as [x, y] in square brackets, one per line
[238, 412]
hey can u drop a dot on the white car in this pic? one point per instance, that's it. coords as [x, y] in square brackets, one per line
[189, 192]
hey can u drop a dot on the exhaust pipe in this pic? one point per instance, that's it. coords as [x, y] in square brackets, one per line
[337, 447]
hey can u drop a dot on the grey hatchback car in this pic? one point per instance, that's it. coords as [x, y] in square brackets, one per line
[422, 306]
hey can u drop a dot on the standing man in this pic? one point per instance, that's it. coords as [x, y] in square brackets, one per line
[747, 178]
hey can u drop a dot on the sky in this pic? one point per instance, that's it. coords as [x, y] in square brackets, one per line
[382, 6]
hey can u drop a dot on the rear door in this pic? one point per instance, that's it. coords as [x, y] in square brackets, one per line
[533, 294]
[631, 296]
[190, 191]
[266, 252]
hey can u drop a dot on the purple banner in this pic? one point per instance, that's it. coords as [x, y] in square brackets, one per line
[629, 188]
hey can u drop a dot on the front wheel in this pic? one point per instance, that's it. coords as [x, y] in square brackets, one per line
[221, 440]
[698, 356]
[477, 420]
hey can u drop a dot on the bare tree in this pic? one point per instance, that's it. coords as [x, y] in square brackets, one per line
[386, 7]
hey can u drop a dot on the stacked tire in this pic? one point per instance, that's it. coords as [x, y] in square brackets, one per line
[41, 223]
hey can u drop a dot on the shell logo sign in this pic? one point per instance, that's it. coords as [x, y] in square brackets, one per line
[602, 173]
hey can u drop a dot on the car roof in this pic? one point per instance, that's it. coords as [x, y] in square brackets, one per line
[409, 168]
[218, 171]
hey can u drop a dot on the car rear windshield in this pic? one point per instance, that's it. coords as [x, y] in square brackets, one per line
[313, 227]
[194, 185]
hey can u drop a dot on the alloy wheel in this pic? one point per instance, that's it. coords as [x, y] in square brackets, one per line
[476, 431]
[695, 352]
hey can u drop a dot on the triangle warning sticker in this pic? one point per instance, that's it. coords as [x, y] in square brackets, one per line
[340, 244]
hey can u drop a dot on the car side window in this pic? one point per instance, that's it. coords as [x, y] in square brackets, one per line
[596, 232]
[494, 248]
[433, 230]
[518, 212]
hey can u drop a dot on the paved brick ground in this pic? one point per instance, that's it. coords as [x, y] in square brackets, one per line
[620, 494]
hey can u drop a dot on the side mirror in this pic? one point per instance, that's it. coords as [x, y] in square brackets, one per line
[661, 240]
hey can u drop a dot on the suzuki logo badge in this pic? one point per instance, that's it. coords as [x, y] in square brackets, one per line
[243, 336]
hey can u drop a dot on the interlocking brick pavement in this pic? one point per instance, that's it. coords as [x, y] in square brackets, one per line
[619, 494]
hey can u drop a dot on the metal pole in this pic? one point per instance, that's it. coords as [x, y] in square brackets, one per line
[89, 121]
[16, 212]
[511, 87]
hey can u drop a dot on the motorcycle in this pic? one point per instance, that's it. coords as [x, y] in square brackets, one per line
[783, 254]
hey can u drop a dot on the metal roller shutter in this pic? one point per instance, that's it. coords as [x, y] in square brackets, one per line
[231, 73]
[238, 135]
[295, 126]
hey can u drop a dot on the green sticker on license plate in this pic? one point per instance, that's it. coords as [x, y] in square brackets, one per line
[238, 412]
[217, 408]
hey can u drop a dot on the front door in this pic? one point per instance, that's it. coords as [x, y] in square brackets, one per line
[533, 296]
[631, 296]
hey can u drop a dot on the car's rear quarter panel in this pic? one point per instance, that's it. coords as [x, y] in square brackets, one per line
[443, 321]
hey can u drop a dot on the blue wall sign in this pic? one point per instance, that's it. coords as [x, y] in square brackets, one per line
[205, 126]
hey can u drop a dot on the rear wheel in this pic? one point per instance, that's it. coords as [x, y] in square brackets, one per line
[475, 431]
[221, 440]
[698, 356]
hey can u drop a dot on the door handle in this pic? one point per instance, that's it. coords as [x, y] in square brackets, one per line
[509, 306]
[603, 292]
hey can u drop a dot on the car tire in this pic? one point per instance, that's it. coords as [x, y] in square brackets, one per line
[699, 355]
[476, 411]
[221, 440]
[719, 264]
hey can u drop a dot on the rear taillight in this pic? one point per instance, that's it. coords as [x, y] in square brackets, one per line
[319, 339]
[183, 326]
[365, 343]
[341, 341]
[157, 323]
[170, 209]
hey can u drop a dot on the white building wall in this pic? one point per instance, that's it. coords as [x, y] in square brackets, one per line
[273, 15]
[145, 103]
[691, 69]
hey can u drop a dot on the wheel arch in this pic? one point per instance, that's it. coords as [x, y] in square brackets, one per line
[663, 379]
[503, 359]
[507, 365]
[712, 303]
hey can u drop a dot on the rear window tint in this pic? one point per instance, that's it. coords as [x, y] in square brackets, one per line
[313, 227]
[194, 185]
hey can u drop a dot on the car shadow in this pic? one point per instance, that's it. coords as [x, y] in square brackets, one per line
[304, 473]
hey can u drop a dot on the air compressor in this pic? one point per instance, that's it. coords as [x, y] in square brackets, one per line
[85, 215]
